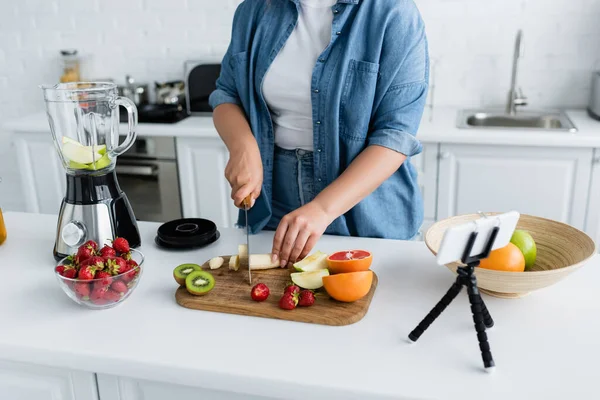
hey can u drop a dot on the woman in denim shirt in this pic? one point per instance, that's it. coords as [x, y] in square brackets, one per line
[319, 103]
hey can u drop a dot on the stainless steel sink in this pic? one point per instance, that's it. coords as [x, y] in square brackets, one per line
[534, 120]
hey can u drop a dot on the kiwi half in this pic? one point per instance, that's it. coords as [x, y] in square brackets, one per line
[199, 283]
[183, 270]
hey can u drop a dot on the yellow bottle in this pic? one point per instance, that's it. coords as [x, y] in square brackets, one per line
[2, 228]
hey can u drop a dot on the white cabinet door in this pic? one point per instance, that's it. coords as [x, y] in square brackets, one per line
[426, 165]
[547, 182]
[43, 177]
[119, 388]
[205, 193]
[592, 223]
[30, 382]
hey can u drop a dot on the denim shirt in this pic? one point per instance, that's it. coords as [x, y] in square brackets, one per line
[369, 87]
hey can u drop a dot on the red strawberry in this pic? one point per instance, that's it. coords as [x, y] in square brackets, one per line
[82, 290]
[105, 278]
[132, 263]
[291, 288]
[69, 272]
[131, 273]
[107, 251]
[60, 269]
[86, 273]
[96, 262]
[115, 265]
[121, 245]
[84, 252]
[111, 296]
[259, 292]
[119, 286]
[92, 244]
[97, 295]
[126, 256]
[288, 301]
[306, 299]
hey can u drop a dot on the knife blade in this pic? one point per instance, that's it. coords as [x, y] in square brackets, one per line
[247, 205]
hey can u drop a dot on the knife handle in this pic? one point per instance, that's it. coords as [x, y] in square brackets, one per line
[247, 202]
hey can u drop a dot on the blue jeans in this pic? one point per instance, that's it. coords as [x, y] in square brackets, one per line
[293, 186]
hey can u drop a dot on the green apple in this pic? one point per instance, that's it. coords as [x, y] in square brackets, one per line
[314, 262]
[524, 241]
[79, 154]
[103, 162]
[309, 280]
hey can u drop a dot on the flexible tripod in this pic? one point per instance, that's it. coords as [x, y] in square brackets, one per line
[466, 277]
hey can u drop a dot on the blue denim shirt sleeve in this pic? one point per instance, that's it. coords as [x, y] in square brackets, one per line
[397, 117]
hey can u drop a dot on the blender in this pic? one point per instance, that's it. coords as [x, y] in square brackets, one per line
[84, 121]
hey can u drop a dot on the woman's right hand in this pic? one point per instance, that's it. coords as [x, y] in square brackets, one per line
[244, 171]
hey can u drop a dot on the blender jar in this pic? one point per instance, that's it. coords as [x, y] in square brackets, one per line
[84, 120]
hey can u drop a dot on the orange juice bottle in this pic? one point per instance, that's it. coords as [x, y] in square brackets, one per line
[2, 228]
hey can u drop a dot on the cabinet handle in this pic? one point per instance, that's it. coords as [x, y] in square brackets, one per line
[444, 155]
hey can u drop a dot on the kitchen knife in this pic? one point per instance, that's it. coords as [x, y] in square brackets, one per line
[247, 205]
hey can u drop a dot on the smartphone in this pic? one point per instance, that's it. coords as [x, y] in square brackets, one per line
[456, 238]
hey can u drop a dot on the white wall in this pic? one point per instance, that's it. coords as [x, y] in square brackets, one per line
[471, 43]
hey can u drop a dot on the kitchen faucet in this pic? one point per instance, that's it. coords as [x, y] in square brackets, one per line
[516, 97]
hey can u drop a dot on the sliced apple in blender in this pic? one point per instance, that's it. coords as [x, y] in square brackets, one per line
[99, 148]
[103, 162]
[79, 154]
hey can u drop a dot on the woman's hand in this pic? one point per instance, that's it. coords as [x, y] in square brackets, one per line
[298, 232]
[244, 171]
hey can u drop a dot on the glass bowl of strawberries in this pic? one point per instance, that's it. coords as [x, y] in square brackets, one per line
[100, 278]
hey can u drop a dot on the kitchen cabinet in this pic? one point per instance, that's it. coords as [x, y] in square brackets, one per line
[120, 388]
[547, 182]
[31, 382]
[205, 193]
[42, 174]
[426, 164]
[592, 223]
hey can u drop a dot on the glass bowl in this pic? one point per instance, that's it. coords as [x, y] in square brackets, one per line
[102, 293]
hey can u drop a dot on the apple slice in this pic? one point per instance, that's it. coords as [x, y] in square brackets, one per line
[313, 262]
[309, 280]
[79, 154]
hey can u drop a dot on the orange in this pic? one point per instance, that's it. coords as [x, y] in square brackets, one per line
[349, 261]
[508, 258]
[348, 287]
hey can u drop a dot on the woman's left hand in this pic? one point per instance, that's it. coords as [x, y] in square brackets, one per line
[298, 232]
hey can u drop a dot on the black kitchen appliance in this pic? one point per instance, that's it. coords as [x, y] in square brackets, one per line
[200, 82]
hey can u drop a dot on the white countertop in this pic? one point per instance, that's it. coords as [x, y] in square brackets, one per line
[545, 345]
[436, 127]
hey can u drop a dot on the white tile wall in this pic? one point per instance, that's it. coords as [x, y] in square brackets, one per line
[471, 43]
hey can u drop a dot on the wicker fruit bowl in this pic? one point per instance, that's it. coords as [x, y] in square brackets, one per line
[561, 250]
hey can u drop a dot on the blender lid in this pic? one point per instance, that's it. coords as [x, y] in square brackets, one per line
[187, 233]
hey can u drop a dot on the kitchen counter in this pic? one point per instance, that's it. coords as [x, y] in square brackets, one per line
[438, 126]
[545, 345]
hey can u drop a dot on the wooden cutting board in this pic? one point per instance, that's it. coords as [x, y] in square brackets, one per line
[231, 295]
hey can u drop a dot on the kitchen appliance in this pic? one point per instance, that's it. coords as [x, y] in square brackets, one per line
[594, 107]
[84, 122]
[148, 173]
[186, 233]
[200, 82]
[172, 92]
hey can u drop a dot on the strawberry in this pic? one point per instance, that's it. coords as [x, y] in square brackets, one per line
[119, 287]
[121, 245]
[111, 296]
[132, 263]
[86, 273]
[96, 262]
[306, 299]
[291, 288]
[97, 295]
[107, 251]
[69, 272]
[127, 256]
[92, 244]
[60, 269]
[259, 292]
[84, 252]
[82, 290]
[131, 273]
[288, 301]
[105, 278]
[115, 265]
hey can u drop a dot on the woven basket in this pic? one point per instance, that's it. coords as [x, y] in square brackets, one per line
[561, 250]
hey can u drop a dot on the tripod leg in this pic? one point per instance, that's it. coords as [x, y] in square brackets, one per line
[437, 310]
[478, 319]
[487, 317]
